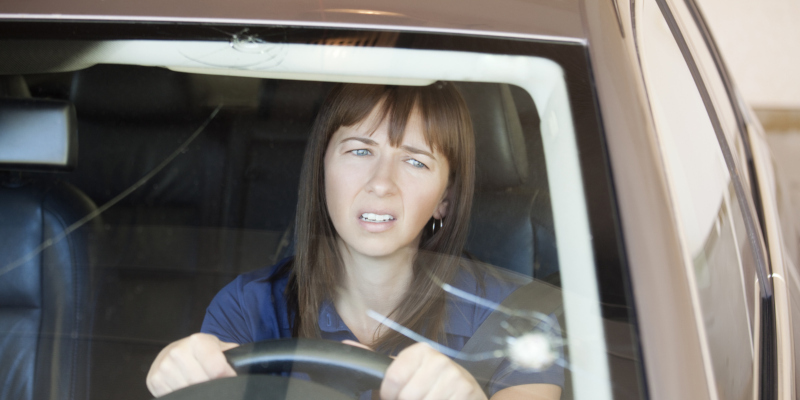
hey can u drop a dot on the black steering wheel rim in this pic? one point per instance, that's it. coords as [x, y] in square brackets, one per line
[334, 364]
[349, 370]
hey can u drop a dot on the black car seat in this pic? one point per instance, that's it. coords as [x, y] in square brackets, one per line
[164, 250]
[510, 225]
[276, 141]
[45, 263]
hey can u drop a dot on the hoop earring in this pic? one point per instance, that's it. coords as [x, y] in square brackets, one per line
[434, 229]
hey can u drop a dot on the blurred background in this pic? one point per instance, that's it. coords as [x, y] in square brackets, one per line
[760, 41]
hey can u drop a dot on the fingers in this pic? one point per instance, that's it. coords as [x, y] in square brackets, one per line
[188, 361]
[182, 369]
[420, 372]
[422, 382]
[356, 344]
[401, 370]
[209, 357]
[446, 386]
[175, 379]
[157, 386]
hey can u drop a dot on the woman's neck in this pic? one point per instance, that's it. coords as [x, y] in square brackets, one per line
[371, 283]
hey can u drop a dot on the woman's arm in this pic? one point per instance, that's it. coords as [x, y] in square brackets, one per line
[543, 391]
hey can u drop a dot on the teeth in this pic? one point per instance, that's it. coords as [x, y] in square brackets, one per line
[370, 217]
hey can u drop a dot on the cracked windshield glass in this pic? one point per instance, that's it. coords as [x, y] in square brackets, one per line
[307, 213]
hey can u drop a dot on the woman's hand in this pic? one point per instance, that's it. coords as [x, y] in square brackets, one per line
[420, 372]
[194, 359]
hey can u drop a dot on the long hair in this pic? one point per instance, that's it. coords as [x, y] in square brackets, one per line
[317, 269]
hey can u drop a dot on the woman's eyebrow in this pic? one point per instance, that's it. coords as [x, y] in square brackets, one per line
[360, 139]
[418, 151]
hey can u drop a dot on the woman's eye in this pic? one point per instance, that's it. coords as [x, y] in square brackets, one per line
[416, 163]
[361, 152]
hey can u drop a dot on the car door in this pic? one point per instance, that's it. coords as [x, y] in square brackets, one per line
[705, 160]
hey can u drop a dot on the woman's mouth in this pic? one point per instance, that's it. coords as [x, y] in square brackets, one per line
[378, 218]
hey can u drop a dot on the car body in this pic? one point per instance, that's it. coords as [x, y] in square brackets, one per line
[635, 160]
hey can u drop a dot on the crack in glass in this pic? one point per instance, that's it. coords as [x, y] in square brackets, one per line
[533, 349]
[94, 214]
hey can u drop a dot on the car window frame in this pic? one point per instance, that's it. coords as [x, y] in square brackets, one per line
[767, 331]
[594, 162]
[737, 104]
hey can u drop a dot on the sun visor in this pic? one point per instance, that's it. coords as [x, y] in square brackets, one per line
[37, 134]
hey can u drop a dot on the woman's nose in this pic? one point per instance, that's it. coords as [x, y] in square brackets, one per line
[382, 179]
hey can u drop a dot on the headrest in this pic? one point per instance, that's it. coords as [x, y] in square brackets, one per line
[37, 134]
[501, 160]
[287, 108]
[126, 91]
[289, 99]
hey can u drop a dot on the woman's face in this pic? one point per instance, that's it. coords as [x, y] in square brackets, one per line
[380, 197]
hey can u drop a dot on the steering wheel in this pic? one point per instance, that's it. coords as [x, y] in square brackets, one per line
[337, 371]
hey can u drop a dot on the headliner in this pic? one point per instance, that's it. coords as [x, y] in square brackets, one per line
[553, 19]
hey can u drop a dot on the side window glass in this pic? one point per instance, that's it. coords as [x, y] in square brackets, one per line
[707, 208]
[727, 117]
[714, 83]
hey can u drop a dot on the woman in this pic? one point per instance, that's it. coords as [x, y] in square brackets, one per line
[382, 215]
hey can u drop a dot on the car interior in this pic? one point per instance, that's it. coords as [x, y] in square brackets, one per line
[99, 297]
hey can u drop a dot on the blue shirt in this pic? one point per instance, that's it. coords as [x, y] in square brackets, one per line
[253, 308]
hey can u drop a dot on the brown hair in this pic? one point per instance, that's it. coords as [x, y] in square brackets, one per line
[317, 266]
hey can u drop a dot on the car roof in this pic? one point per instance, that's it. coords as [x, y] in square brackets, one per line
[542, 19]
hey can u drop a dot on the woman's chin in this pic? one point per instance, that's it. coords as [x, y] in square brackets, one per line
[378, 252]
[380, 248]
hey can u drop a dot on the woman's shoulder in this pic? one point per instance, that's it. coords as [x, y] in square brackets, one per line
[277, 274]
[251, 307]
[258, 288]
[257, 280]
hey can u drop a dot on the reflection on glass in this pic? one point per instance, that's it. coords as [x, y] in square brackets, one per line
[721, 289]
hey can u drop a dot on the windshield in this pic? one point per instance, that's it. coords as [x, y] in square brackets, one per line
[190, 194]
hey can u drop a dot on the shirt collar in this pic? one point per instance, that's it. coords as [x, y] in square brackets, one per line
[329, 319]
[460, 317]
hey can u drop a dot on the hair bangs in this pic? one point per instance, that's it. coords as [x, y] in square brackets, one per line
[358, 104]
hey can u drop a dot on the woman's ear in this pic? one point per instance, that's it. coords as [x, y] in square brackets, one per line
[441, 209]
